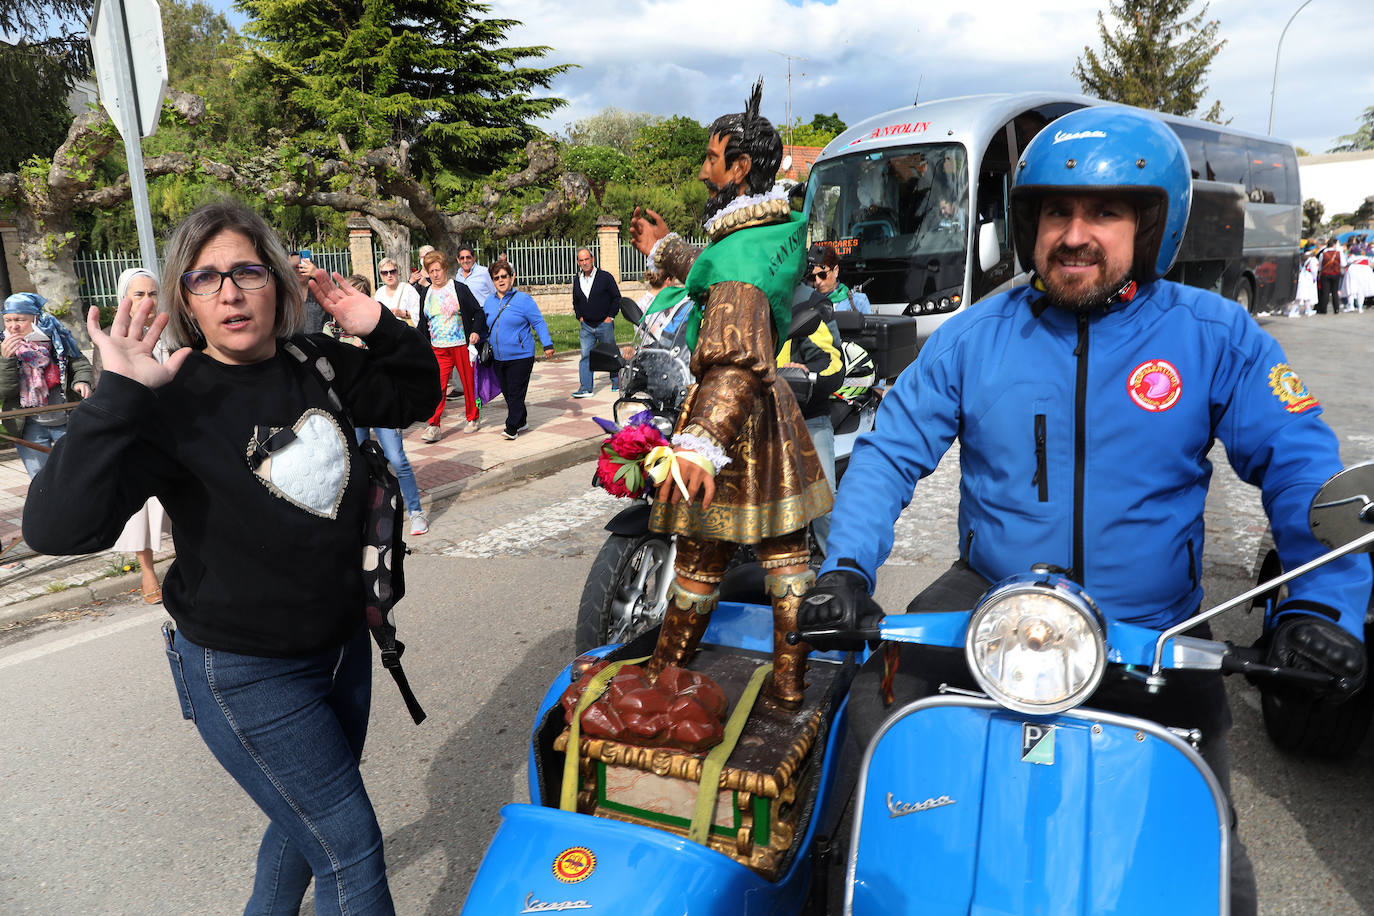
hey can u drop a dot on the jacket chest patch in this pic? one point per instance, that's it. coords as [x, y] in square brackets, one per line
[1290, 390]
[311, 470]
[1154, 385]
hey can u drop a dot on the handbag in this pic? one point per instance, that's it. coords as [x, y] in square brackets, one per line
[484, 353]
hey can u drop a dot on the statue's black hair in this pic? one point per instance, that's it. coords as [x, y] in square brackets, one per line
[750, 132]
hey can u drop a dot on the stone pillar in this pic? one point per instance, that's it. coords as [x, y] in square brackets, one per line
[360, 248]
[608, 245]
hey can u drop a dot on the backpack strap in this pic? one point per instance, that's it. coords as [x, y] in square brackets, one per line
[384, 576]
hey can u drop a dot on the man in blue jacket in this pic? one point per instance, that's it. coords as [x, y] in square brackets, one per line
[1085, 406]
[596, 302]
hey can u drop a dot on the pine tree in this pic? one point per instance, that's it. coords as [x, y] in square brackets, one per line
[1361, 139]
[1157, 57]
[431, 73]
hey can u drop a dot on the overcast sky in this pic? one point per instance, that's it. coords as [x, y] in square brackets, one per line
[862, 57]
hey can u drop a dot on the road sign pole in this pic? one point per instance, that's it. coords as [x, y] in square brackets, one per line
[129, 127]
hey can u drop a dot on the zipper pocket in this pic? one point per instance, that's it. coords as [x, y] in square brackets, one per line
[1041, 480]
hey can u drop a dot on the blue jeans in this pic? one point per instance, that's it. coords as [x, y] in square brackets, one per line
[290, 731]
[390, 441]
[587, 336]
[823, 436]
[38, 434]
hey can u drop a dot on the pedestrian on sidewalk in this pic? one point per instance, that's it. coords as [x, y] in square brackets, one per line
[596, 302]
[473, 275]
[1306, 297]
[40, 363]
[454, 320]
[514, 320]
[400, 297]
[142, 534]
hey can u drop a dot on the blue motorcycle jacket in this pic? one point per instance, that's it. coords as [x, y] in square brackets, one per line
[1084, 443]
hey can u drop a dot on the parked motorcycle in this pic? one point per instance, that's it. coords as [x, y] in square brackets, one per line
[1014, 798]
[626, 590]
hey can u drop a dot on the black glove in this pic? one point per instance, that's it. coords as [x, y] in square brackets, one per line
[838, 601]
[1316, 644]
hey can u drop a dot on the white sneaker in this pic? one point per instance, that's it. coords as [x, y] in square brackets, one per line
[418, 523]
[505, 433]
[431, 434]
[471, 427]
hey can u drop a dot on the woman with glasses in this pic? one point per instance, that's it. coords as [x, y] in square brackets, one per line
[454, 320]
[257, 467]
[400, 297]
[514, 320]
[823, 273]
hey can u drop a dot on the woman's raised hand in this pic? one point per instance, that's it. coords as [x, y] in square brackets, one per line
[355, 312]
[127, 348]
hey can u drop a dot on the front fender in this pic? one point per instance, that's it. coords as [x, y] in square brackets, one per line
[631, 521]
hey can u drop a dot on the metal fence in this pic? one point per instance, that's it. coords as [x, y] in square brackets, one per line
[537, 262]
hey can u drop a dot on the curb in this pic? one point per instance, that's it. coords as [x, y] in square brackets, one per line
[69, 598]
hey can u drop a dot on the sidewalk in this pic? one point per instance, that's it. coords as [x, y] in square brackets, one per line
[562, 433]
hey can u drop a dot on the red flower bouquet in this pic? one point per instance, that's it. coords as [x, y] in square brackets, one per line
[620, 467]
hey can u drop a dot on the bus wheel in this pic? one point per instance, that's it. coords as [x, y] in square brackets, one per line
[1245, 295]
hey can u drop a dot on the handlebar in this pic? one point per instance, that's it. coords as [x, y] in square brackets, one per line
[865, 633]
[1241, 660]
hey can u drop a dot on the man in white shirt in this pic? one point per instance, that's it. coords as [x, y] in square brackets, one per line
[474, 276]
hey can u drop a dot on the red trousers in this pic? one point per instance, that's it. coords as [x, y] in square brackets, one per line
[449, 358]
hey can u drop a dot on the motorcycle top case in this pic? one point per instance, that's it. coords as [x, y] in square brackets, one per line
[890, 339]
[966, 807]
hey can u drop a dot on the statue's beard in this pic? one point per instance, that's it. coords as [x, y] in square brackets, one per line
[721, 194]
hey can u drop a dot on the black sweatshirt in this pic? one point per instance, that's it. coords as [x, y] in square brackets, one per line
[262, 569]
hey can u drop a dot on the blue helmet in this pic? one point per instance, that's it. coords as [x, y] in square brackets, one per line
[1113, 150]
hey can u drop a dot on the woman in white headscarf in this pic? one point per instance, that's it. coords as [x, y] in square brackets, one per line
[142, 535]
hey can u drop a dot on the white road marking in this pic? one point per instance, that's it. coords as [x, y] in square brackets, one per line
[69, 642]
[537, 528]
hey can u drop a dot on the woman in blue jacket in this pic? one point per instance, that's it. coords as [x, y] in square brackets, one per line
[514, 320]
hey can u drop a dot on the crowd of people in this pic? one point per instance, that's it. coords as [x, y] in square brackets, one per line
[1335, 277]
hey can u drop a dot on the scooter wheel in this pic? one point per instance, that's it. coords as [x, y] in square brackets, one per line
[617, 599]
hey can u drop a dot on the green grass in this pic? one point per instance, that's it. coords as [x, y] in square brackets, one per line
[563, 330]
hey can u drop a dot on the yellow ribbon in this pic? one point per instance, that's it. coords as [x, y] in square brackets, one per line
[662, 460]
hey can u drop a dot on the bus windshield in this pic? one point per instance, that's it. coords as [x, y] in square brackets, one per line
[898, 215]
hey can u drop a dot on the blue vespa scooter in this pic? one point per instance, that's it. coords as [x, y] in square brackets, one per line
[1019, 800]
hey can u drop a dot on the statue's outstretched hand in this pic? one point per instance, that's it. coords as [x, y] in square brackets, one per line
[646, 228]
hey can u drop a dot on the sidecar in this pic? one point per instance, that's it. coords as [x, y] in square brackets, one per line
[634, 856]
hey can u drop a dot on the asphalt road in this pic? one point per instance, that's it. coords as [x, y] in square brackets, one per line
[112, 805]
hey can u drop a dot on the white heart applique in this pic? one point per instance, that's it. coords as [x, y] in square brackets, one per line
[311, 470]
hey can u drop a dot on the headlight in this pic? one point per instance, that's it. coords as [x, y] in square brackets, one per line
[1035, 644]
[625, 408]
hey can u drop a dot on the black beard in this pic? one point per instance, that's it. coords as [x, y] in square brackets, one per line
[720, 196]
[1093, 299]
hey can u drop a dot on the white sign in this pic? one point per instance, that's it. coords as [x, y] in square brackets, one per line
[142, 54]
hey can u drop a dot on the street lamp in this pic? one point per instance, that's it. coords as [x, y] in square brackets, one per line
[1274, 89]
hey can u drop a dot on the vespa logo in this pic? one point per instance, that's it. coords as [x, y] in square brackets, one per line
[1060, 136]
[896, 808]
[535, 905]
[1037, 743]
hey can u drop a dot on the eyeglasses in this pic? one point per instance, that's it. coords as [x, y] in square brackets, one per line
[208, 282]
[388, 273]
[465, 257]
[502, 276]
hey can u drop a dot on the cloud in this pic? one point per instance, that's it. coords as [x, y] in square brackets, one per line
[862, 57]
